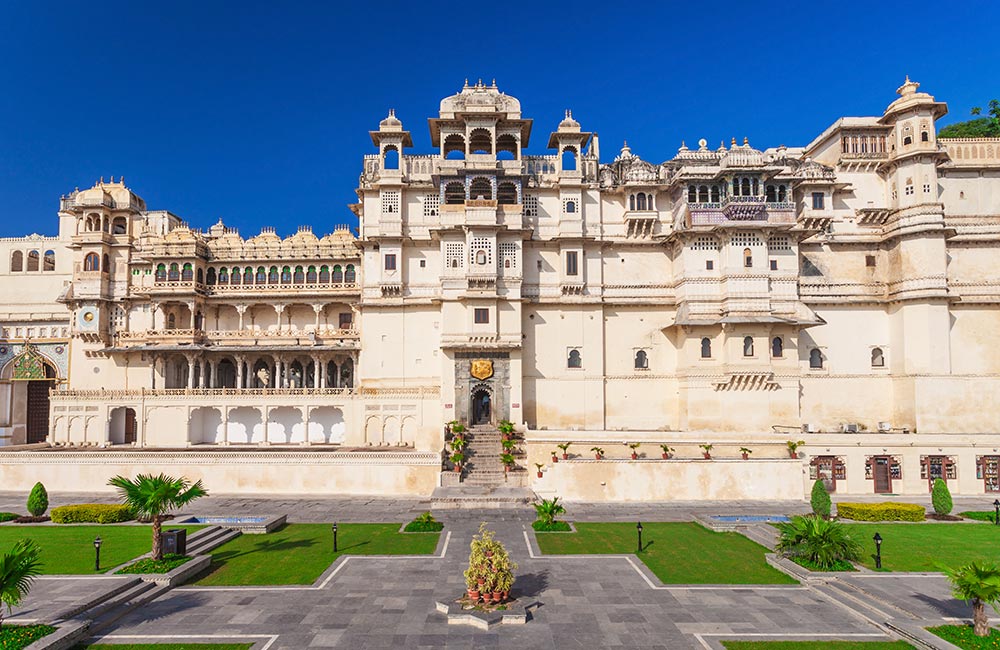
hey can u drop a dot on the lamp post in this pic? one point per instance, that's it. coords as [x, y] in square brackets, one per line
[878, 550]
[996, 508]
[335, 538]
[97, 553]
[638, 529]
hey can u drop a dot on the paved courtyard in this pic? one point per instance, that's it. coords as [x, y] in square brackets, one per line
[573, 602]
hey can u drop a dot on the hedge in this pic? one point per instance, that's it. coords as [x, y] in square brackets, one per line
[8, 516]
[89, 513]
[887, 511]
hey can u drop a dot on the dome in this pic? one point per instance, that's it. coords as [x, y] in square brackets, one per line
[568, 123]
[391, 122]
[742, 156]
[480, 98]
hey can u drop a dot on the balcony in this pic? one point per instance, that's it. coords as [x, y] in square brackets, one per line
[168, 287]
[347, 338]
[736, 210]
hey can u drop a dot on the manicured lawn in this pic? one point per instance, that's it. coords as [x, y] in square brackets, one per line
[816, 645]
[299, 553]
[15, 637]
[167, 646]
[978, 515]
[69, 549]
[678, 553]
[926, 547]
[964, 637]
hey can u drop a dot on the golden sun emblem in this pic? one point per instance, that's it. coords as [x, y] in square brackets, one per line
[482, 369]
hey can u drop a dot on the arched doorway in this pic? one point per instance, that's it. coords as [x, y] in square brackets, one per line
[123, 426]
[482, 406]
[29, 378]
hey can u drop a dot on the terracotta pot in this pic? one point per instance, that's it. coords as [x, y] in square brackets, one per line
[496, 596]
[565, 456]
[793, 454]
[473, 594]
[635, 456]
[504, 595]
[458, 468]
[746, 456]
[555, 459]
[597, 456]
[666, 456]
[481, 582]
[707, 455]
[539, 474]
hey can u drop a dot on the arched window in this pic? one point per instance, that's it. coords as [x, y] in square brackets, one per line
[454, 193]
[777, 347]
[631, 201]
[273, 276]
[481, 189]
[748, 346]
[106, 266]
[324, 274]
[770, 195]
[745, 187]
[507, 194]
[570, 207]
[454, 147]
[223, 276]
[649, 202]
[49, 261]
[390, 157]
[569, 159]
[119, 226]
[17, 262]
[230, 279]
[706, 348]
[161, 272]
[454, 264]
[299, 276]
[311, 275]
[692, 194]
[349, 275]
[703, 194]
[175, 272]
[574, 360]
[200, 276]
[641, 360]
[756, 187]
[32, 261]
[480, 257]
[815, 358]
[338, 274]
[506, 147]
[878, 359]
[171, 321]
[248, 276]
[640, 201]
[94, 223]
[747, 258]
[924, 137]
[187, 274]
[480, 141]
[261, 276]
[782, 194]
[715, 194]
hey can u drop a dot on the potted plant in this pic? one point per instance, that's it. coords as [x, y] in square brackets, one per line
[458, 458]
[508, 445]
[458, 430]
[508, 461]
[745, 453]
[633, 446]
[706, 451]
[793, 448]
[668, 451]
[539, 466]
[555, 458]
[505, 581]
[598, 452]
[564, 446]
[472, 584]
[506, 428]
[457, 444]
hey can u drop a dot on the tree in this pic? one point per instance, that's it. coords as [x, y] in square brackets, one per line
[38, 500]
[978, 127]
[153, 497]
[17, 572]
[549, 509]
[820, 500]
[979, 583]
[941, 497]
[821, 542]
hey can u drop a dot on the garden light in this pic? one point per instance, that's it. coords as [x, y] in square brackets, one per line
[334, 537]
[638, 529]
[996, 508]
[878, 550]
[97, 553]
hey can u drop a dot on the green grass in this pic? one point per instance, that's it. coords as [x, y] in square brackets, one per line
[299, 553]
[169, 562]
[167, 646]
[70, 549]
[678, 553]
[816, 645]
[927, 547]
[979, 515]
[964, 637]
[554, 527]
[15, 637]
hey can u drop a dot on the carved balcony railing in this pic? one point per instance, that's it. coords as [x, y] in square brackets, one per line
[737, 209]
[223, 338]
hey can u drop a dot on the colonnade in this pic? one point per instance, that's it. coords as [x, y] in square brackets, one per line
[246, 371]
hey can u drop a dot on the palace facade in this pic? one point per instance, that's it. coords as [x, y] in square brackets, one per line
[845, 293]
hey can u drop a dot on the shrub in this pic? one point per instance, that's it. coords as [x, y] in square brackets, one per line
[823, 543]
[548, 510]
[941, 497]
[976, 515]
[8, 516]
[423, 523]
[820, 500]
[38, 500]
[90, 513]
[169, 562]
[887, 511]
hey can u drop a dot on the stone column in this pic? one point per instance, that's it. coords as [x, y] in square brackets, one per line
[305, 424]
[280, 309]
[321, 374]
[192, 306]
[319, 310]
[315, 361]
[152, 373]
[190, 380]
[225, 426]
[241, 309]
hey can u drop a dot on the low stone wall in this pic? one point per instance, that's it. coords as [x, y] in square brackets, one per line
[233, 472]
[673, 480]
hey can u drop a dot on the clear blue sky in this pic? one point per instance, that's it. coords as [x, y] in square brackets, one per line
[260, 112]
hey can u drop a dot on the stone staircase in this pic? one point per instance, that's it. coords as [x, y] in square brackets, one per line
[483, 467]
[484, 483]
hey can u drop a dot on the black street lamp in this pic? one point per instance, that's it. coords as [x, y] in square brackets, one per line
[97, 553]
[335, 538]
[638, 529]
[996, 508]
[878, 550]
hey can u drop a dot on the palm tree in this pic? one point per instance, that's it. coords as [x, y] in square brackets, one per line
[17, 571]
[979, 583]
[821, 542]
[152, 497]
[549, 509]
